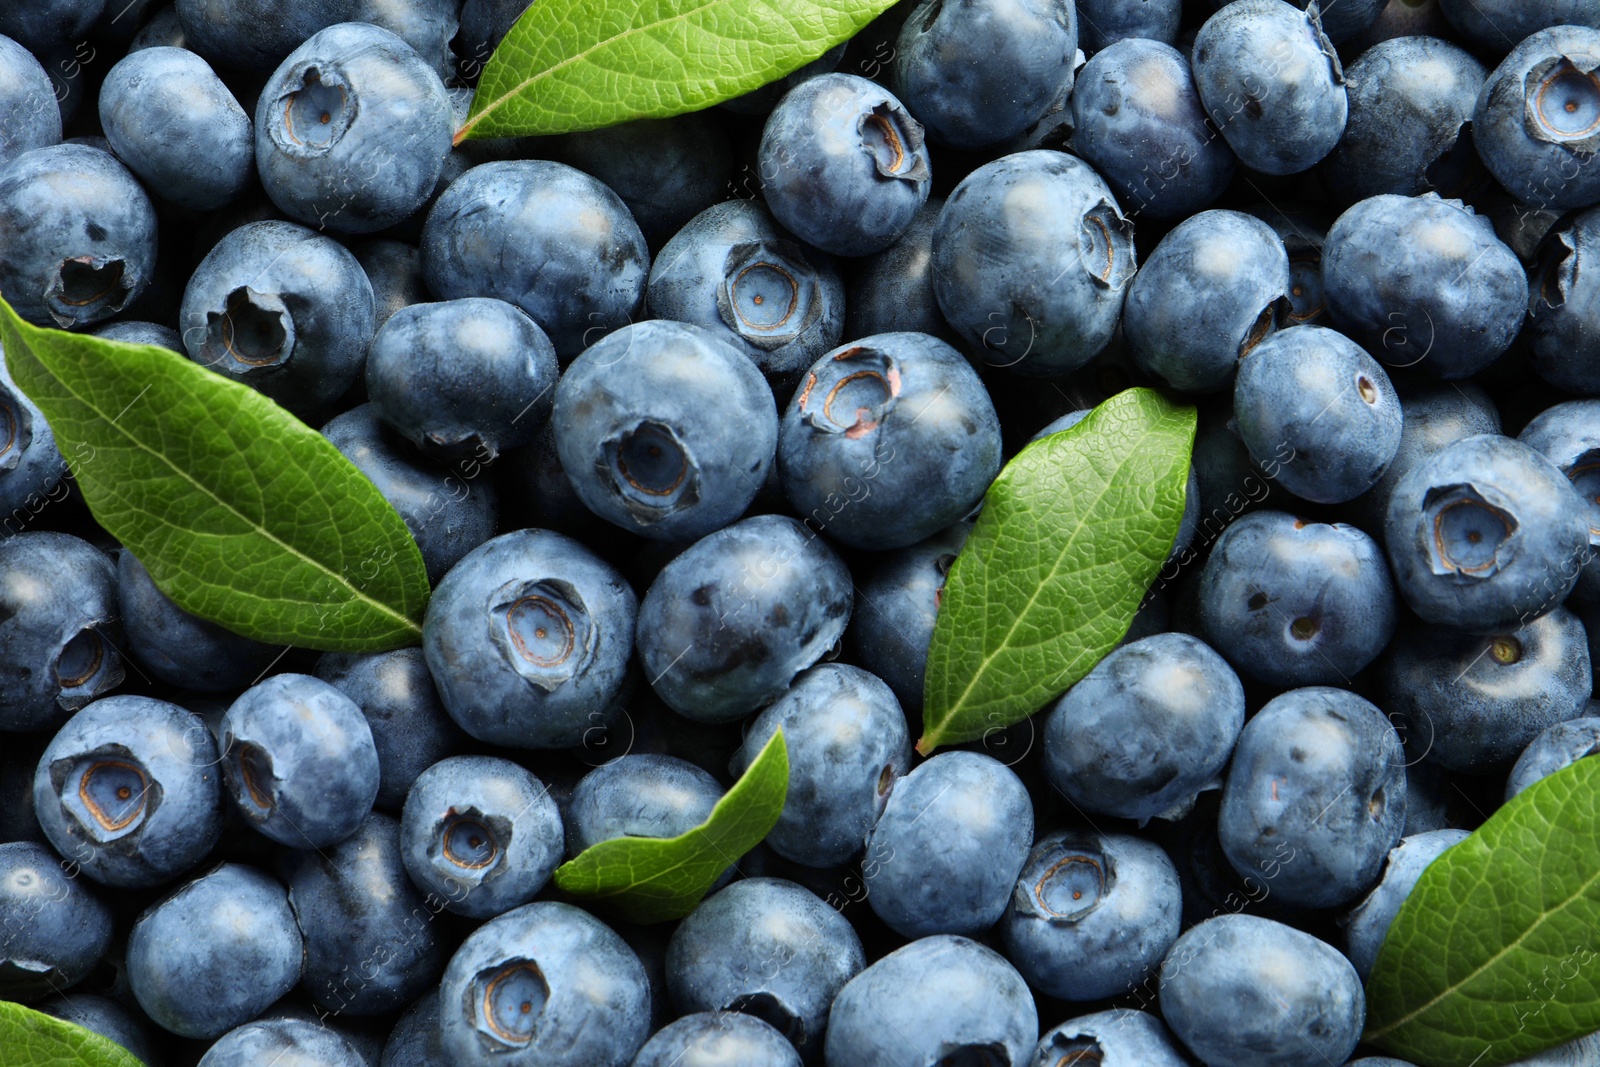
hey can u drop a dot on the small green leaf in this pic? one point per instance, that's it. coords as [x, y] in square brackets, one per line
[651, 880]
[1071, 535]
[241, 513]
[31, 1038]
[1495, 955]
[579, 66]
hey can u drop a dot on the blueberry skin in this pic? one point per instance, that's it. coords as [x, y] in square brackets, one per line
[410, 728]
[1137, 117]
[31, 468]
[256, 35]
[53, 929]
[1296, 603]
[728, 623]
[1411, 105]
[732, 270]
[182, 649]
[888, 440]
[394, 269]
[1251, 992]
[1569, 436]
[164, 757]
[1092, 914]
[1315, 797]
[371, 944]
[979, 72]
[142, 333]
[1561, 745]
[1320, 411]
[299, 761]
[480, 833]
[721, 958]
[50, 24]
[415, 1039]
[545, 237]
[938, 999]
[1485, 535]
[1473, 703]
[1031, 258]
[1423, 282]
[665, 430]
[1121, 1037]
[106, 1017]
[282, 1043]
[216, 953]
[945, 854]
[639, 795]
[282, 309]
[27, 102]
[892, 291]
[77, 236]
[1148, 729]
[843, 166]
[717, 1039]
[548, 985]
[1343, 20]
[560, 632]
[848, 742]
[1103, 23]
[1207, 296]
[1497, 25]
[1369, 921]
[1564, 306]
[1535, 121]
[170, 119]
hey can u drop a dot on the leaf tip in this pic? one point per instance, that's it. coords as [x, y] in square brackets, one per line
[926, 745]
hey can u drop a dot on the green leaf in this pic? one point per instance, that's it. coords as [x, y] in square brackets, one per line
[241, 513]
[1495, 955]
[651, 880]
[1071, 535]
[30, 1038]
[578, 66]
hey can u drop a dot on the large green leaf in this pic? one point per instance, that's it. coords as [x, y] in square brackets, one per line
[241, 513]
[1071, 535]
[1495, 955]
[30, 1038]
[581, 64]
[648, 879]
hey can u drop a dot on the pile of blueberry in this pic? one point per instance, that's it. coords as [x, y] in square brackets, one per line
[690, 417]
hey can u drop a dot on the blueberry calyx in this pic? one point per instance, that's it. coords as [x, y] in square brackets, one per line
[16, 431]
[991, 1054]
[1082, 1051]
[544, 631]
[1563, 102]
[468, 844]
[88, 288]
[1470, 537]
[852, 393]
[1070, 888]
[650, 470]
[1105, 246]
[255, 771]
[108, 792]
[894, 139]
[253, 332]
[313, 117]
[771, 1010]
[769, 294]
[505, 1003]
[83, 669]
[1556, 271]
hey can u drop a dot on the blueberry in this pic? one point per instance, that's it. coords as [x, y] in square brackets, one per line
[216, 953]
[727, 624]
[553, 662]
[1250, 992]
[410, 727]
[480, 833]
[415, 1039]
[299, 761]
[717, 1039]
[142, 333]
[1569, 436]
[1103, 23]
[282, 1043]
[545, 984]
[182, 649]
[1137, 117]
[733, 271]
[945, 854]
[1031, 257]
[892, 291]
[1315, 797]
[548, 238]
[1485, 535]
[172, 121]
[979, 72]
[53, 929]
[1536, 121]
[1564, 308]
[32, 470]
[888, 441]
[282, 309]
[941, 999]
[77, 236]
[256, 35]
[48, 25]
[1092, 914]
[1119, 1037]
[768, 948]
[639, 795]
[27, 102]
[1147, 730]
[162, 29]
[1320, 412]
[1497, 25]
[1272, 83]
[1293, 603]
[665, 430]
[1368, 923]
[1557, 747]
[106, 1017]
[1472, 703]
[394, 269]
[1209, 294]
[848, 743]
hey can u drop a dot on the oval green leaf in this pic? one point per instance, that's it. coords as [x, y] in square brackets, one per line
[1071, 535]
[651, 880]
[566, 67]
[241, 513]
[1495, 955]
[34, 1039]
